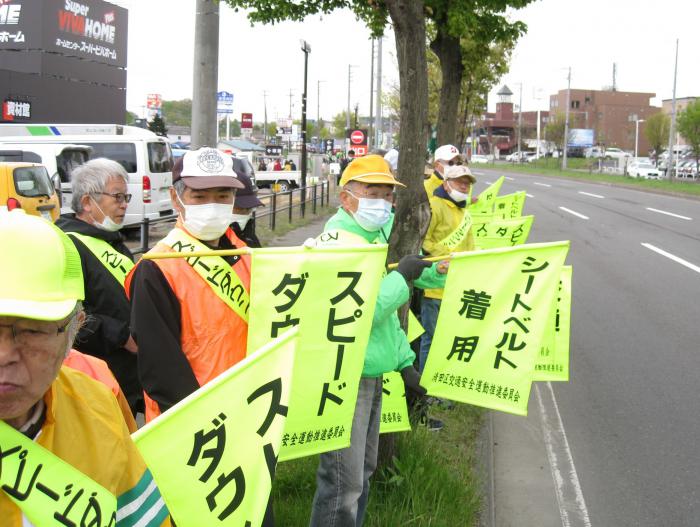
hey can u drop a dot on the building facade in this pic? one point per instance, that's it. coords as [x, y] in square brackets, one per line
[612, 115]
[681, 104]
[63, 62]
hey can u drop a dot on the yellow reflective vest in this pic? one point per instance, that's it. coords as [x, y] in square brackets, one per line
[85, 428]
[446, 217]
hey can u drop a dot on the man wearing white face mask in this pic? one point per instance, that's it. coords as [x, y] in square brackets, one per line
[99, 199]
[190, 316]
[246, 200]
[342, 478]
[449, 231]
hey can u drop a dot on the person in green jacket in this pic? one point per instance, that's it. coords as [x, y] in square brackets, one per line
[342, 478]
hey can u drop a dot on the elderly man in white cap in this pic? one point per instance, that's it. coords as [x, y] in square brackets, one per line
[189, 316]
[445, 156]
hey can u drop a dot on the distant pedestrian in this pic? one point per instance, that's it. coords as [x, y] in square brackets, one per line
[277, 165]
[262, 166]
[292, 164]
[245, 201]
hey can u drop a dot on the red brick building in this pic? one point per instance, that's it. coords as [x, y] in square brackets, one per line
[611, 114]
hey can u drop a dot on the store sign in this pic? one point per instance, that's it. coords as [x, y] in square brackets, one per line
[13, 110]
[224, 102]
[11, 33]
[154, 101]
[273, 150]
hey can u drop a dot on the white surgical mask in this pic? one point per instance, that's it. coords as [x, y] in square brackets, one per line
[107, 223]
[372, 214]
[208, 221]
[456, 194]
[241, 219]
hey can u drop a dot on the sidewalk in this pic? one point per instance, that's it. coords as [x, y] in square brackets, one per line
[297, 236]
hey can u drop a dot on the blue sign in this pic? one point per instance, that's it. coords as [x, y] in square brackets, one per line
[581, 137]
[224, 102]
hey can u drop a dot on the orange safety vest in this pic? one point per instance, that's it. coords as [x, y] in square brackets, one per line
[213, 336]
[97, 369]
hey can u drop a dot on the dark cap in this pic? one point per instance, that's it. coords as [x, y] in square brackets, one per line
[246, 198]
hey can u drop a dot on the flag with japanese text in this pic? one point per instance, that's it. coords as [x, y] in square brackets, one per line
[213, 454]
[494, 312]
[553, 360]
[47, 489]
[486, 200]
[509, 206]
[502, 233]
[394, 408]
[330, 293]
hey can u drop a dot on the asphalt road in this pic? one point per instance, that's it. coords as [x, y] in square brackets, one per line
[631, 410]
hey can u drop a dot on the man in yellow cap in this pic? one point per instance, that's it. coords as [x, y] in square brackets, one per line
[449, 231]
[66, 451]
[365, 216]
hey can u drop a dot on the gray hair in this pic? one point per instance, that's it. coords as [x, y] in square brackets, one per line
[74, 325]
[92, 178]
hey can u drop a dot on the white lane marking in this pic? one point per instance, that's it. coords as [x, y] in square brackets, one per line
[529, 195]
[488, 182]
[572, 505]
[542, 184]
[574, 213]
[669, 214]
[591, 195]
[509, 178]
[672, 257]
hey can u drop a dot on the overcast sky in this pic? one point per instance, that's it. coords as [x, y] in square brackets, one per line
[639, 36]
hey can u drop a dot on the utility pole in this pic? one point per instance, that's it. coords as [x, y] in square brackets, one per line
[520, 122]
[566, 121]
[318, 105]
[306, 48]
[290, 103]
[265, 106]
[347, 120]
[205, 72]
[669, 164]
[379, 125]
[371, 102]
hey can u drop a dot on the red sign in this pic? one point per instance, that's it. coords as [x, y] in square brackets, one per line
[360, 150]
[357, 137]
[247, 120]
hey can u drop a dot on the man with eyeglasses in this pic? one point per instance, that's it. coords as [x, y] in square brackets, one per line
[445, 156]
[55, 420]
[99, 200]
[365, 217]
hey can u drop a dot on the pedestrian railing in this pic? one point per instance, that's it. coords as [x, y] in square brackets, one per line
[277, 205]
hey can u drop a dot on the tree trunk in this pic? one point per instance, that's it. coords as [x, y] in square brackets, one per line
[449, 51]
[412, 209]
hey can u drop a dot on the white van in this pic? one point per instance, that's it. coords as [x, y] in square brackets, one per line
[145, 156]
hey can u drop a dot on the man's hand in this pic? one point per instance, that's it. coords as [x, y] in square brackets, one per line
[411, 267]
[411, 378]
[443, 266]
[131, 346]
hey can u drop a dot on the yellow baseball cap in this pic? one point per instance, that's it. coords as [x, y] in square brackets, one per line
[371, 169]
[42, 277]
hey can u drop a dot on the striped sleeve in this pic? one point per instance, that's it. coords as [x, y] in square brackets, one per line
[142, 505]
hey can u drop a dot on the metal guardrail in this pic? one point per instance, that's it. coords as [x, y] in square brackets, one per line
[316, 195]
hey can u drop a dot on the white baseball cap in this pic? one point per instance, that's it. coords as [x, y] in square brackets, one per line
[206, 168]
[446, 153]
[392, 157]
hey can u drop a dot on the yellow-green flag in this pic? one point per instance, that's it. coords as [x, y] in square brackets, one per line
[330, 293]
[486, 199]
[415, 329]
[502, 233]
[509, 206]
[493, 314]
[553, 360]
[394, 407]
[213, 455]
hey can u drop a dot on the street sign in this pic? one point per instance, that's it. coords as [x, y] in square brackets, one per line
[328, 145]
[357, 137]
[273, 150]
[224, 102]
[247, 120]
[154, 101]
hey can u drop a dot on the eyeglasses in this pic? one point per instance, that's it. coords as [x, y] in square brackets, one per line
[35, 336]
[453, 163]
[120, 197]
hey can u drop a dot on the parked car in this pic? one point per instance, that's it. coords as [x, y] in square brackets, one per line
[480, 159]
[27, 186]
[643, 169]
[616, 153]
[594, 152]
